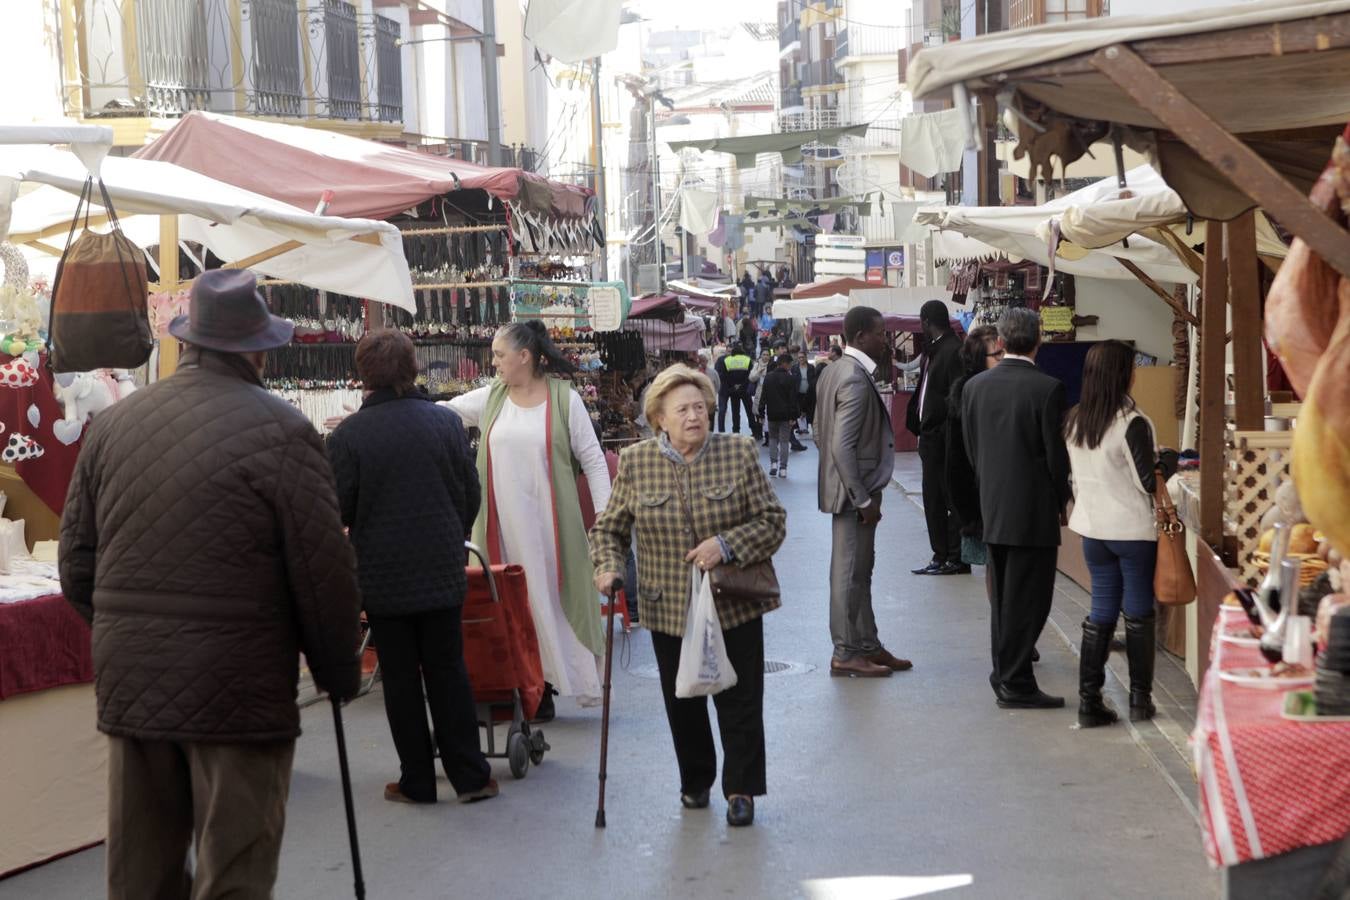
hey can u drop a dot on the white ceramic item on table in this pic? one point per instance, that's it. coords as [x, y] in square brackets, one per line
[1262, 679]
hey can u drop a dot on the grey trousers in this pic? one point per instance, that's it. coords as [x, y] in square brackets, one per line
[780, 440]
[853, 626]
[225, 801]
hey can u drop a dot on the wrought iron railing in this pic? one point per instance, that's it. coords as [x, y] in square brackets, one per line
[343, 59]
[175, 55]
[278, 83]
[388, 71]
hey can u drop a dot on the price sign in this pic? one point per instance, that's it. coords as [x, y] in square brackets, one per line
[606, 308]
[1057, 319]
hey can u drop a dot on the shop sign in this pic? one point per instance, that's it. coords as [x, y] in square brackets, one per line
[1057, 319]
[606, 308]
[896, 259]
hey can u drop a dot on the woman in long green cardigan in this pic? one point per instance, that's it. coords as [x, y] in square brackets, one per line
[536, 437]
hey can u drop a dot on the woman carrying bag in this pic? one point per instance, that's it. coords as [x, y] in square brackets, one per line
[698, 499]
[1114, 458]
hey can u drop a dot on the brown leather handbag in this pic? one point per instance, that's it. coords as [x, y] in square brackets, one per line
[1173, 579]
[756, 583]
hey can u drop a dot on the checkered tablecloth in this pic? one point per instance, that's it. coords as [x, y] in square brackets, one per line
[1267, 785]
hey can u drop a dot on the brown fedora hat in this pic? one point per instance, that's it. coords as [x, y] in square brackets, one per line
[228, 314]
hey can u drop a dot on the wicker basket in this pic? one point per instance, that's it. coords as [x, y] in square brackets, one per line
[1313, 566]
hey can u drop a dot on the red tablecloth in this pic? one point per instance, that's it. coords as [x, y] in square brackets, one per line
[43, 644]
[1267, 785]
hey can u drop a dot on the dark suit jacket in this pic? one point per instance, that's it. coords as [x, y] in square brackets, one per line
[1013, 418]
[942, 368]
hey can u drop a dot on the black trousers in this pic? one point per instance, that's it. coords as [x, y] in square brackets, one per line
[1021, 587]
[428, 648]
[738, 401]
[944, 529]
[740, 716]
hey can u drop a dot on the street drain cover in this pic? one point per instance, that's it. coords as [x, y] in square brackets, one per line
[771, 667]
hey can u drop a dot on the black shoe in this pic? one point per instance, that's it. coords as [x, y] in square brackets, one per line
[1141, 645]
[695, 801]
[740, 811]
[931, 569]
[952, 568]
[1034, 700]
[1092, 709]
[798, 445]
[546, 712]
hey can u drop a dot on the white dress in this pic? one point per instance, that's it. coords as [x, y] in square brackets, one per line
[524, 498]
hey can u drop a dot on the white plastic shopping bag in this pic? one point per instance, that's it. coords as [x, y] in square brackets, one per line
[704, 666]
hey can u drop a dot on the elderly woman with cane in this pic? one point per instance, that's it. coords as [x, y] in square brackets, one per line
[697, 499]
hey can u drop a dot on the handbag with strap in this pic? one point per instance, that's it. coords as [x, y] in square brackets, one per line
[1173, 579]
[756, 583]
[99, 317]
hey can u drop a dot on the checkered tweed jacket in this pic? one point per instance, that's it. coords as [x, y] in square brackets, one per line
[731, 497]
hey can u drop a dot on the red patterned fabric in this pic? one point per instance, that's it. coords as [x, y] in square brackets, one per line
[501, 649]
[1267, 785]
[43, 644]
[48, 476]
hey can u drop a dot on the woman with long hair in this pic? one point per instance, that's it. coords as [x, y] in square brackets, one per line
[536, 435]
[1114, 460]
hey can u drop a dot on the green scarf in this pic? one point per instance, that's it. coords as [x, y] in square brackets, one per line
[580, 601]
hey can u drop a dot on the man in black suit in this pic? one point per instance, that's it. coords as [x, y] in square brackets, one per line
[926, 417]
[1013, 418]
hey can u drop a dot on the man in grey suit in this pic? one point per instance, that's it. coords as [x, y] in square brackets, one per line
[857, 454]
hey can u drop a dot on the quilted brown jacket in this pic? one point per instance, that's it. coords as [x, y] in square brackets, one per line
[201, 537]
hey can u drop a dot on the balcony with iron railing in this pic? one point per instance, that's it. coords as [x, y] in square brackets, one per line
[809, 120]
[276, 58]
[867, 40]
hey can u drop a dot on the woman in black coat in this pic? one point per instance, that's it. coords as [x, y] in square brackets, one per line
[983, 348]
[409, 493]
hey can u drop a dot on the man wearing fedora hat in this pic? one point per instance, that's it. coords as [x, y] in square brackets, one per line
[201, 538]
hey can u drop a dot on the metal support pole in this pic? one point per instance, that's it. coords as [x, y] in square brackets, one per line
[598, 148]
[656, 196]
[494, 108]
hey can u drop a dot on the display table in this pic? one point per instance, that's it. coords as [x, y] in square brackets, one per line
[1268, 786]
[53, 761]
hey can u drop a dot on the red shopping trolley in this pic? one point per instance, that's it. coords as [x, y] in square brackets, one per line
[501, 652]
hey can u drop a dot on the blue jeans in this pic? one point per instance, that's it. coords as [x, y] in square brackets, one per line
[1122, 574]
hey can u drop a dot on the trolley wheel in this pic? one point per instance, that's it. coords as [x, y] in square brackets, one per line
[518, 754]
[538, 747]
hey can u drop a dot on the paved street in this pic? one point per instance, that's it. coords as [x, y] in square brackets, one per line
[913, 783]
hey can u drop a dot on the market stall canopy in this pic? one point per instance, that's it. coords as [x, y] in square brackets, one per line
[829, 326]
[371, 180]
[355, 257]
[573, 30]
[829, 287]
[1021, 232]
[1272, 72]
[703, 289]
[833, 305]
[787, 144]
[658, 336]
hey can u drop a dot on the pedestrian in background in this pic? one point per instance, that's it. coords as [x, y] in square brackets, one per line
[733, 370]
[409, 493]
[703, 365]
[1114, 458]
[981, 351]
[1013, 420]
[807, 375]
[857, 458]
[743, 527]
[926, 418]
[781, 408]
[201, 537]
[749, 334]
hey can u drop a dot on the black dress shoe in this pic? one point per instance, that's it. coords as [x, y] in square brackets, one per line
[1034, 700]
[546, 711]
[695, 801]
[740, 811]
[931, 569]
[798, 445]
[951, 568]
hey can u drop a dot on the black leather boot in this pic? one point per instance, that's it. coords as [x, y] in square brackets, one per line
[1141, 644]
[1092, 709]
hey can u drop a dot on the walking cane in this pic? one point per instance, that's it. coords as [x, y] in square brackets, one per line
[347, 797]
[614, 590]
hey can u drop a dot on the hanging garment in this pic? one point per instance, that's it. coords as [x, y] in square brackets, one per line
[933, 142]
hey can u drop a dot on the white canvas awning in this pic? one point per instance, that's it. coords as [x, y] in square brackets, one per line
[833, 305]
[1023, 232]
[357, 257]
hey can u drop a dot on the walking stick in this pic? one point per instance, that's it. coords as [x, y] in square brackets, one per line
[614, 591]
[347, 797]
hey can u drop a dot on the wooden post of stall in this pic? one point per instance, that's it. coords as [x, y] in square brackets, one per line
[168, 284]
[1213, 387]
[1244, 288]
